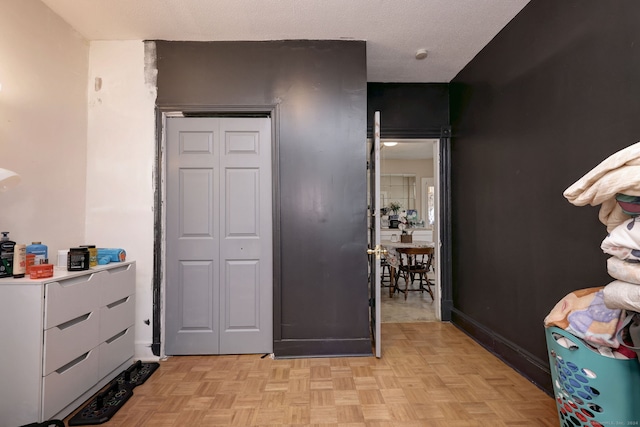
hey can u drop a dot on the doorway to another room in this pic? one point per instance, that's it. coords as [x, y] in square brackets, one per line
[408, 195]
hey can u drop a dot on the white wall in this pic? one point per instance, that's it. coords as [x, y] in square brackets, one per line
[420, 168]
[85, 156]
[120, 164]
[43, 125]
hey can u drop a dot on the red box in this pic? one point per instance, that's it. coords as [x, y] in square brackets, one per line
[41, 271]
[31, 260]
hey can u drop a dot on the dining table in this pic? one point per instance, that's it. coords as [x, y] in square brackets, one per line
[393, 257]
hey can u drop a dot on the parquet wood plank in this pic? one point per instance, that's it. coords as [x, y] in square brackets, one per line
[346, 397]
[431, 374]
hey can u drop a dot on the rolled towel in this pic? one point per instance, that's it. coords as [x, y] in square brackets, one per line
[622, 295]
[623, 270]
[113, 254]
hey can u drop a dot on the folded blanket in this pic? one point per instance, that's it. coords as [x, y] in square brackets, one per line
[584, 314]
[622, 295]
[623, 270]
[611, 214]
[629, 204]
[624, 241]
[618, 173]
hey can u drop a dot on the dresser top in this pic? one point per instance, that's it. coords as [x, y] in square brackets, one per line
[61, 273]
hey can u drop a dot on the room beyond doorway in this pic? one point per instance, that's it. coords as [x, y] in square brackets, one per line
[409, 169]
[418, 307]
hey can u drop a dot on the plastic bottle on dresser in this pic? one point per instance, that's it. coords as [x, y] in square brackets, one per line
[19, 260]
[40, 251]
[6, 255]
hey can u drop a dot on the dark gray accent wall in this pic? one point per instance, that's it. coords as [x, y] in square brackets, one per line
[316, 92]
[408, 110]
[551, 96]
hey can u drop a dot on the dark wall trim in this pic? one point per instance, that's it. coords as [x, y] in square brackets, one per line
[322, 348]
[445, 263]
[408, 110]
[156, 334]
[400, 133]
[528, 365]
[277, 228]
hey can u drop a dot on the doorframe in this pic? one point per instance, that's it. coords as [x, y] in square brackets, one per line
[159, 179]
[425, 183]
[445, 263]
[445, 226]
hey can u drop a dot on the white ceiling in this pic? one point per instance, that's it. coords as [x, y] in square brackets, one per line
[452, 31]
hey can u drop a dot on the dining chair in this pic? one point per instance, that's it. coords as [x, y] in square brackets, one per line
[415, 262]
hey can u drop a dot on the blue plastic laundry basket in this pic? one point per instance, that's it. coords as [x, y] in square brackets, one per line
[591, 389]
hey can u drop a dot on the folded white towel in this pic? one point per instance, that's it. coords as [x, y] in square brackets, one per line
[624, 241]
[623, 270]
[622, 295]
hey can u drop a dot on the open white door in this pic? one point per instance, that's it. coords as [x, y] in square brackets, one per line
[375, 250]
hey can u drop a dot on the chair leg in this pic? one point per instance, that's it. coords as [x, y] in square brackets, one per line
[393, 285]
[428, 287]
[407, 278]
[393, 278]
[384, 267]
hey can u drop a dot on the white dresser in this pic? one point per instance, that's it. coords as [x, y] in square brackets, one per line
[62, 339]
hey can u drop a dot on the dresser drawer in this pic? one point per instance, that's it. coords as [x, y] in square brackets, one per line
[117, 316]
[63, 386]
[116, 351]
[70, 298]
[119, 282]
[69, 340]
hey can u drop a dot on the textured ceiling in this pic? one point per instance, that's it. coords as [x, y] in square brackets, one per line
[452, 31]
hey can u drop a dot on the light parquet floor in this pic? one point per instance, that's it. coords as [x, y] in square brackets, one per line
[431, 374]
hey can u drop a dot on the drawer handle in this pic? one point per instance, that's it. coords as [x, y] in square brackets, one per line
[116, 336]
[117, 303]
[119, 269]
[73, 363]
[72, 322]
[75, 280]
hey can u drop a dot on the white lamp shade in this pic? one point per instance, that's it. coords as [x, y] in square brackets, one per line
[8, 179]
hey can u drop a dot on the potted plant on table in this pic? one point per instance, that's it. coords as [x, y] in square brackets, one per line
[395, 207]
[393, 219]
